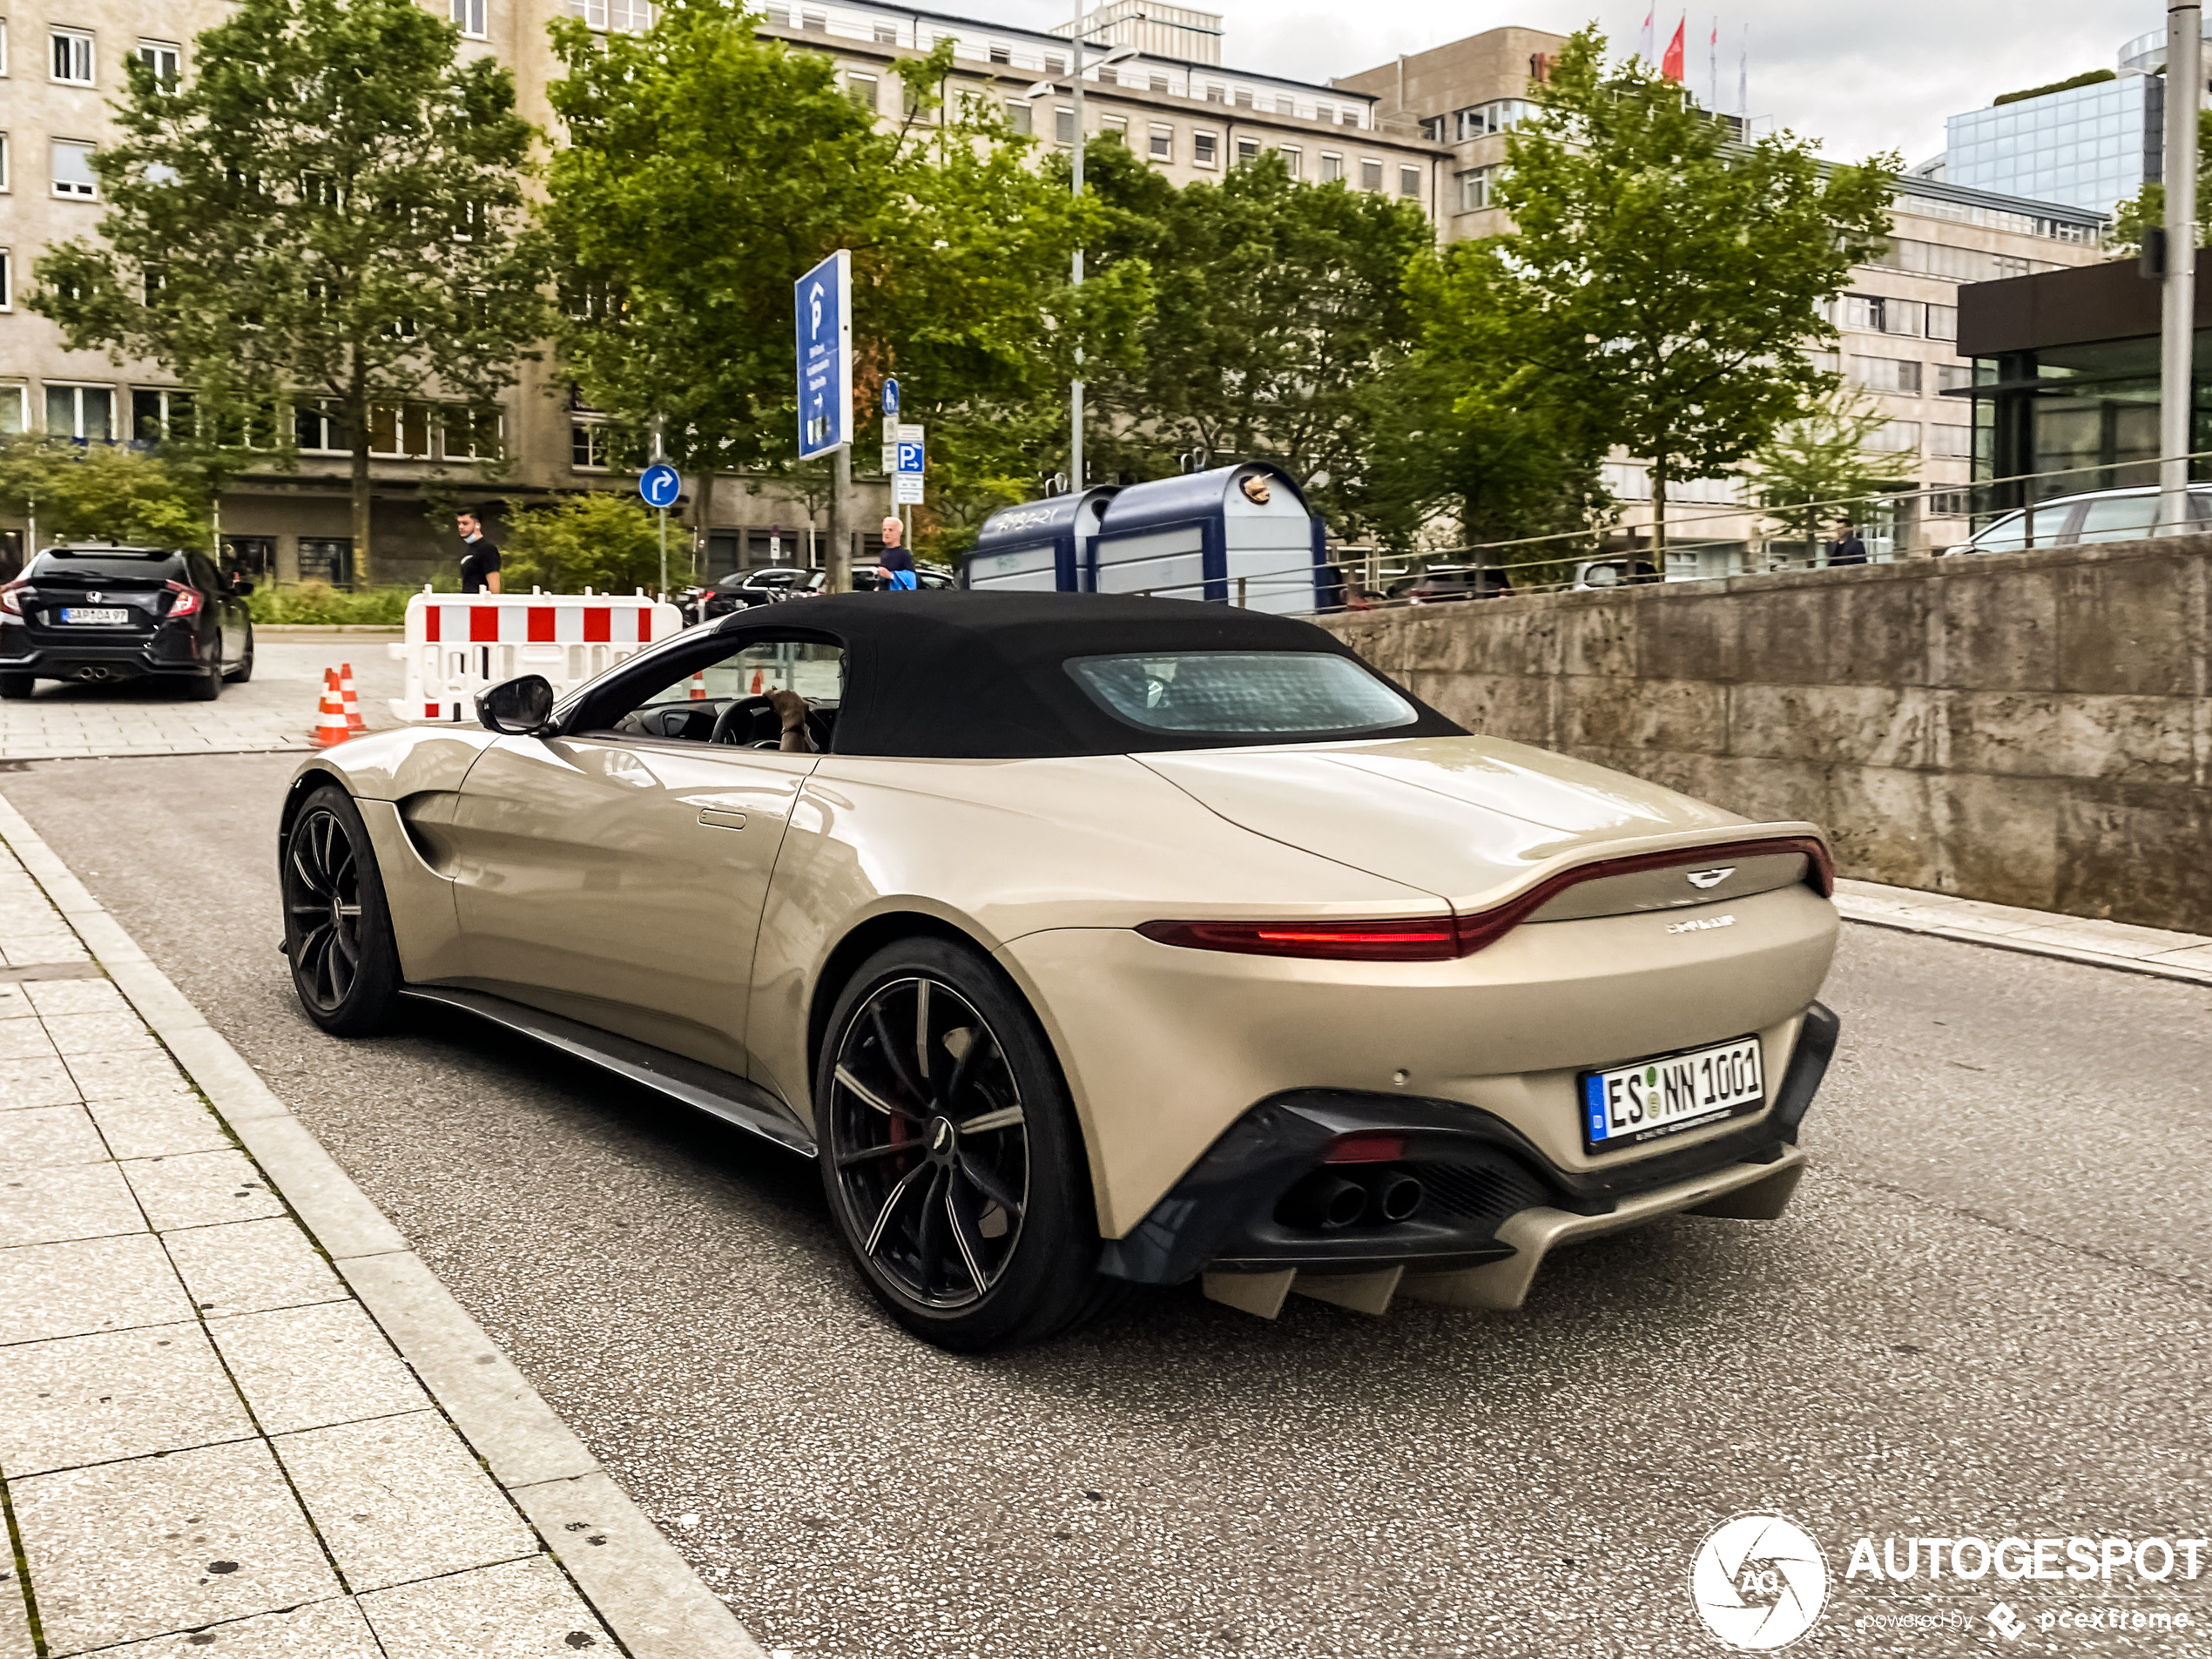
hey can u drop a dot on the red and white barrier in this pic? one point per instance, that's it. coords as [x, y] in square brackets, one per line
[457, 643]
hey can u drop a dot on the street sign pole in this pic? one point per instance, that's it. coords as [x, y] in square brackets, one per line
[1075, 388]
[2177, 355]
[660, 484]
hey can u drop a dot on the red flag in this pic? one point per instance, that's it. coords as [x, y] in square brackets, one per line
[1670, 65]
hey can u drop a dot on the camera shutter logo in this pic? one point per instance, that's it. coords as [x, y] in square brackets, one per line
[1758, 1582]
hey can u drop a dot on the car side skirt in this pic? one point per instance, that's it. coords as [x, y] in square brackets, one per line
[707, 1088]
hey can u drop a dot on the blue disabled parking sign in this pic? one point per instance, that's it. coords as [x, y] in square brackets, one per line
[659, 485]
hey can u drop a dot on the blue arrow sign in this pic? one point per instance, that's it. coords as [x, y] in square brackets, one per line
[659, 485]
[822, 301]
[890, 398]
[909, 457]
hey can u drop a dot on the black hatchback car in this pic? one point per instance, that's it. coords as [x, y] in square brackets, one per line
[100, 613]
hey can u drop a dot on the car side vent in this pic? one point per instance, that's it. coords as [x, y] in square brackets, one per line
[1713, 881]
[427, 817]
[1486, 1192]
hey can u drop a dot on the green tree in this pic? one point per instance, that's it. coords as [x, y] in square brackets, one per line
[2147, 208]
[606, 542]
[1275, 303]
[331, 208]
[101, 493]
[1664, 280]
[707, 169]
[1817, 469]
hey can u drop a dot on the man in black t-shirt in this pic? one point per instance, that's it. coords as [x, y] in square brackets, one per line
[479, 558]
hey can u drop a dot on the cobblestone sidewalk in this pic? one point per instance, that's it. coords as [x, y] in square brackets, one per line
[207, 1440]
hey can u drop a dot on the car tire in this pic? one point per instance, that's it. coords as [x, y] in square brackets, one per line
[244, 671]
[337, 926]
[15, 687]
[204, 688]
[951, 1155]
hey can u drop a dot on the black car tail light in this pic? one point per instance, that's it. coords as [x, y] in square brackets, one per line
[186, 603]
[1437, 939]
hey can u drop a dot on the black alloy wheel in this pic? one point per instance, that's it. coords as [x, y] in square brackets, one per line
[950, 1153]
[337, 929]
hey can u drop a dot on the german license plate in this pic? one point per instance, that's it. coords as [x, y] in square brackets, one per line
[1667, 1094]
[96, 618]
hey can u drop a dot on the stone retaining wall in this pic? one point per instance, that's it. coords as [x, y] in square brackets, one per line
[2032, 729]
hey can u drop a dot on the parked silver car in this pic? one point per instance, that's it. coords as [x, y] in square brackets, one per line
[2075, 520]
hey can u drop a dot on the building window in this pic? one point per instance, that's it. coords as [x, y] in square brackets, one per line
[86, 412]
[167, 61]
[3, 46]
[1885, 374]
[589, 448]
[471, 435]
[317, 428]
[1409, 182]
[327, 558]
[1157, 83]
[1204, 148]
[814, 22]
[468, 16]
[1244, 97]
[1953, 377]
[157, 413]
[1943, 322]
[1115, 123]
[1063, 126]
[861, 89]
[1019, 116]
[6, 280]
[1161, 145]
[399, 430]
[1054, 63]
[1247, 151]
[1896, 437]
[11, 408]
[1331, 166]
[1217, 94]
[1371, 173]
[73, 169]
[1324, 112]
[1877, 313]
[1477, 189]
[3, 161]
[1293, 159]
[886, 34]
[621, 17]
[1001, 52]
[1348, 117]
[72, 57]
[1951, 442]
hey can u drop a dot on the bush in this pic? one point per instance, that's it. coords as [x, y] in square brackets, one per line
[101, 492]
[319, 602]
[607, 543]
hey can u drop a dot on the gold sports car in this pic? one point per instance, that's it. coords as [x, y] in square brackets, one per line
[1088, 940]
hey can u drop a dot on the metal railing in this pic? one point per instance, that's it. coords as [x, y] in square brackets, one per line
[1987, 499]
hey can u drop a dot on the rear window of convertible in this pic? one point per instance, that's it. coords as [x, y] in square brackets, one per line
[1246, 693]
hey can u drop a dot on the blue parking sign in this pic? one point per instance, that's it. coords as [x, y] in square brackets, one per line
[909, 457]
[823, 306]
[659, 485]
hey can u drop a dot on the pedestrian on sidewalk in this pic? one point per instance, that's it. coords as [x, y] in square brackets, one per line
[1847, 549]
[894, 570]
[479, 558]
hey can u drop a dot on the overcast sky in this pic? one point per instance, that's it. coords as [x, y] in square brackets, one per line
[1858, 76]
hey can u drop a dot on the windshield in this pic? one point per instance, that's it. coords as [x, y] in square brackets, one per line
[127, 565]
[1245, 693]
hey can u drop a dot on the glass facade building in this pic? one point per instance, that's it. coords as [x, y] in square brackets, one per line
[2092, 147]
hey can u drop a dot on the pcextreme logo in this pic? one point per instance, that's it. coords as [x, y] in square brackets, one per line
[1758, 1582]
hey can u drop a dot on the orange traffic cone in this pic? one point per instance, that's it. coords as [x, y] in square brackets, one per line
[699, 686]
[330, 716]
[348, 702]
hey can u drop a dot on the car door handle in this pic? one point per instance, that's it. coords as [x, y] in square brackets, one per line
[715, 818]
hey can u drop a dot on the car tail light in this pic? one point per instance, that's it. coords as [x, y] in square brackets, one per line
[1430, 939]
[12, 595]
[1366, 1149]
[186, 603]
[1438, 939]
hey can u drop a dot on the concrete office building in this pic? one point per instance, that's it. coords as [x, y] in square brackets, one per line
[1899, 319]
[1175, 104]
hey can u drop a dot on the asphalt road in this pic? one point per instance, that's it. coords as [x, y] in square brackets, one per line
[1987, 1315]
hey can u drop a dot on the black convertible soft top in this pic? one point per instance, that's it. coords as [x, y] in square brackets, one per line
[981, 676]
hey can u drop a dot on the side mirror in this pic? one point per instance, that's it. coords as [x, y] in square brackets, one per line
[517, 708]
[1604, 575]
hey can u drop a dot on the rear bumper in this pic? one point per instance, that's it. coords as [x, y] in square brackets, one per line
[1493, 1204]
[168, 651]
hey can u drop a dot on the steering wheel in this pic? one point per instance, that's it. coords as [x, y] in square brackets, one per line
[750, 711]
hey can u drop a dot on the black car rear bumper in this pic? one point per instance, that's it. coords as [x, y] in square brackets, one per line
[1475, 1172]
[168, 651]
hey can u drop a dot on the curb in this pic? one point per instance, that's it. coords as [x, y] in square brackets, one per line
[632, 1576]
[327, 630]
[2149, 967]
